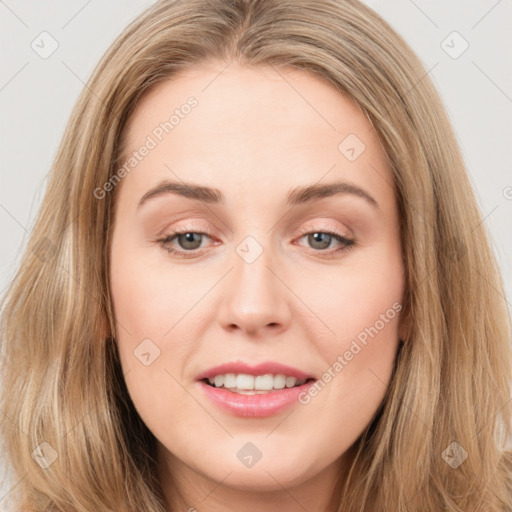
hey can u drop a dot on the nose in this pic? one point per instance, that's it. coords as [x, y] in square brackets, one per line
[255, 298]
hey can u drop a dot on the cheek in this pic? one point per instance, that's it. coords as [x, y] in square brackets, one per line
[361, 301]
[152, 309]
[150, 301]
[360, 314]
[146, 308]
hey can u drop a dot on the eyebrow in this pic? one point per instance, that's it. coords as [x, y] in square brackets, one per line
[296, 196]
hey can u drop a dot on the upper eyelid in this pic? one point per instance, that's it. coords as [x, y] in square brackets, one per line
[302, 232]
[318, 225]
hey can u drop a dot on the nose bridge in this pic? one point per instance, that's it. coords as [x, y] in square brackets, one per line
[254, 297]
[252, 275]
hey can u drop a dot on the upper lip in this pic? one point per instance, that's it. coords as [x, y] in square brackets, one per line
[264, 368]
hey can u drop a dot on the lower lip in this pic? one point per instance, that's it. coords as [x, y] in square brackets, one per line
[254, 406]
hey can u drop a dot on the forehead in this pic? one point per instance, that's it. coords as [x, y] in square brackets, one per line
[250, 128]
[286, 98]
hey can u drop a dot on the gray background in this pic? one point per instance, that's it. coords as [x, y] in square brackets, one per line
[37, 94]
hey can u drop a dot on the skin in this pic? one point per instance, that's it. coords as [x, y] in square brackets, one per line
[254, 134]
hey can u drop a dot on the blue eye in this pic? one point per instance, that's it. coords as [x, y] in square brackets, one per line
[190, 242]
[187, 239]
[324, 239]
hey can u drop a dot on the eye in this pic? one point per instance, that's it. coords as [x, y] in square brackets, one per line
[188, 240]
[321, 240]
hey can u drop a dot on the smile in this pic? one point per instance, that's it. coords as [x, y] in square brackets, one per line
[246, 384]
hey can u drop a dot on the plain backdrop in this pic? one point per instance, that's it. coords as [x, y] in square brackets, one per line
[465, 45]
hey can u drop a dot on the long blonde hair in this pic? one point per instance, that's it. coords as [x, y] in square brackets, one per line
[70, 432]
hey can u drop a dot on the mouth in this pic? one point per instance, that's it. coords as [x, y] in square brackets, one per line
[249, 391]
[242, 390]
[245, 384]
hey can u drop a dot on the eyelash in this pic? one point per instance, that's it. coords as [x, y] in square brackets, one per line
[348, 243]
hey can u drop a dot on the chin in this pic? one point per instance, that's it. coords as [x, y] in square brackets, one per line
[277, 467]
[272, 476]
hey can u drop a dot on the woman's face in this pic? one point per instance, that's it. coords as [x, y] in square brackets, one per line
[259, 167]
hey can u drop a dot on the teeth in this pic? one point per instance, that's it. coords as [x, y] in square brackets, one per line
[244, 381]
[230, 380]
[280, 381]
[250, 384]
[290, 382]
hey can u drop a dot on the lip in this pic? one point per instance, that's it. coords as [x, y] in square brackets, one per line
[259, 369]
[254, 406]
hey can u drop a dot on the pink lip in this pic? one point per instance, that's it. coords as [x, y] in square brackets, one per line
[254, 406]
[260, 369]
